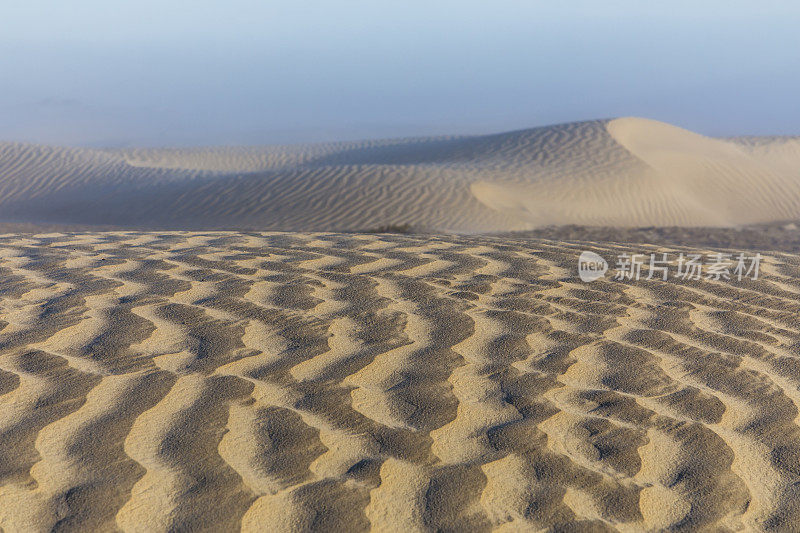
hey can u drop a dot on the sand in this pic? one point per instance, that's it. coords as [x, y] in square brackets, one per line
[622, 172]
[185, 381]
[299, 372]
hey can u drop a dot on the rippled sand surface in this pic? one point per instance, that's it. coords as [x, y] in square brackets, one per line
[625, 172]
[286, 381]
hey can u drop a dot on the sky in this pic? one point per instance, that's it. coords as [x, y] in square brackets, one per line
[201, 72]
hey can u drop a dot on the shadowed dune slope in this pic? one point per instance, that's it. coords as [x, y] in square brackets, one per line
[332, 382]
[623, 172]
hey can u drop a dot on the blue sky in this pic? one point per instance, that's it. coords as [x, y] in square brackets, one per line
[150, 72]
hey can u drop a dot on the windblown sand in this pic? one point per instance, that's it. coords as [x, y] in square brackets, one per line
[288, 381]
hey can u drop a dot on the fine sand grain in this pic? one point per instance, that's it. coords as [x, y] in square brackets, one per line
[182, 381]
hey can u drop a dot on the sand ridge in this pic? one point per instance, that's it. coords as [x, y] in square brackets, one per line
[621, 172]
[341, 382]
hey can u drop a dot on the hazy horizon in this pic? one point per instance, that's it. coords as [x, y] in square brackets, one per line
[244, 72]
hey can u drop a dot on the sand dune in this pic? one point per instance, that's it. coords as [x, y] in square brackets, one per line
[623, 172]
[188, 381]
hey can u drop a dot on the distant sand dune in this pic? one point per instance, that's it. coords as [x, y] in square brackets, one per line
[623, 172]
[211, 381]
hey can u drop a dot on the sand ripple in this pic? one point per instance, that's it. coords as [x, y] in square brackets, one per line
[623, 172]
[188, 381]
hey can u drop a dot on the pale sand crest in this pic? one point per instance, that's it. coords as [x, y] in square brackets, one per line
[211, 381]
[622, 172]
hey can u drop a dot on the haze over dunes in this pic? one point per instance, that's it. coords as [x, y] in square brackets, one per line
[623, 172]
[171, 381]
[435, 267]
